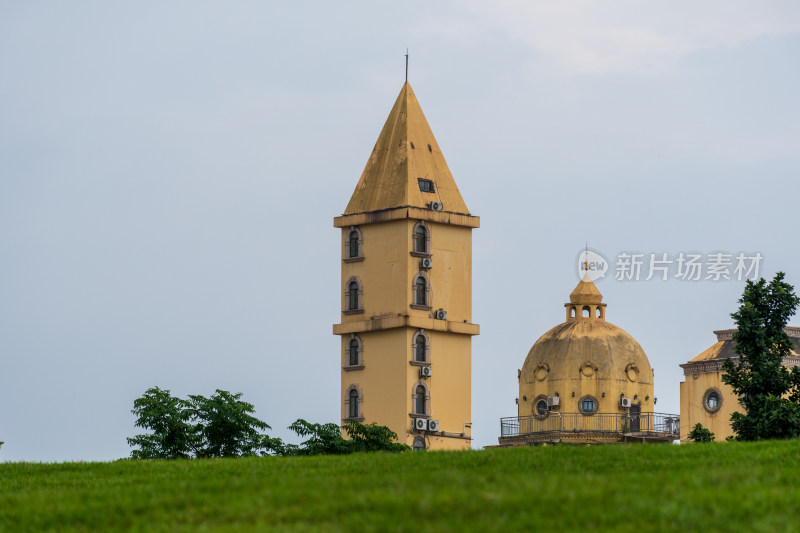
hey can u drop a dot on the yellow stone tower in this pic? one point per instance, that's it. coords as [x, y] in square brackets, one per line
[406, 324]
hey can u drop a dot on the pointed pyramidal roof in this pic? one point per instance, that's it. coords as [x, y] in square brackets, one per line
[585, 292]
[405, 151]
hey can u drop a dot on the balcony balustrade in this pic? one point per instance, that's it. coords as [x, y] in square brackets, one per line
[662, 425]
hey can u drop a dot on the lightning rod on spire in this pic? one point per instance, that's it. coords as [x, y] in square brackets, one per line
[406, 65]
[586, 258]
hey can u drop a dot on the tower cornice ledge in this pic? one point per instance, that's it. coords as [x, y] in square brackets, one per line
[404, 212]
[378, 324]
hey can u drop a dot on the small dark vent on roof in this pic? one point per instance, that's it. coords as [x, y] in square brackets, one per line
[430, 149]
[412, 145]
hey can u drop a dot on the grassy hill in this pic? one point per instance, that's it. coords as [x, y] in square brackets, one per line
[714, 487]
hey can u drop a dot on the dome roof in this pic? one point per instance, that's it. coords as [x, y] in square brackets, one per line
[587, 343]
[609, 349]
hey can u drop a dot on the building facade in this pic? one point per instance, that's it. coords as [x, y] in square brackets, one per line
[406, 320]
[705, 399]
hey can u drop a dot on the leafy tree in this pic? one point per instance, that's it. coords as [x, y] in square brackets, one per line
[372, 438]
[169, 421]
[326, 439]
[701, 434]
[220, 426]
[768, 391]
[225, 426]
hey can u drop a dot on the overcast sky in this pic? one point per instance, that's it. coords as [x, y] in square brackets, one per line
[169, 173]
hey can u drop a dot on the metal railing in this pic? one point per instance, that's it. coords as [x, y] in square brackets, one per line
[661, 423]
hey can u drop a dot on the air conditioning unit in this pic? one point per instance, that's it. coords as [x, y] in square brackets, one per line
[435, 206]
[421, 424]
[426, 262]
[552, 401]
[425, 372]
[624, 402]
[433, 425]
[440, 314]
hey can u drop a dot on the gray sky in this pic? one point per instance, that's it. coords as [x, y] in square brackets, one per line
[169, 174]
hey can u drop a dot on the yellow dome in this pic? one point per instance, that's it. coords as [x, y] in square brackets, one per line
[610, 350]
[589, 364]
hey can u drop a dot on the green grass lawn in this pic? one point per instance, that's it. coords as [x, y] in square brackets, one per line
[712, 487]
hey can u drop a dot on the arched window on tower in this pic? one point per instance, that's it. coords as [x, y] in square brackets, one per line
[421, 348]
[354, 252]
[421, 291]
[420, 400]
[353, 297]
[353, 246]
[354, 351]
[421, 239]
[353, 400]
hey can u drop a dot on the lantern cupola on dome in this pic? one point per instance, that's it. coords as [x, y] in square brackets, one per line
[585, 302]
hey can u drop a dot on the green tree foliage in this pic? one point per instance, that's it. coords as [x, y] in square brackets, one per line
[701, 434]
[323, 439]
[768, 391]
[326, 439]
[169, 421]
[372, 438]
[225, 426]
[219, 426]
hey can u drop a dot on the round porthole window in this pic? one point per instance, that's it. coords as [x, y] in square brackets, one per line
[540, 409]
[588, 405]
[712, 400]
